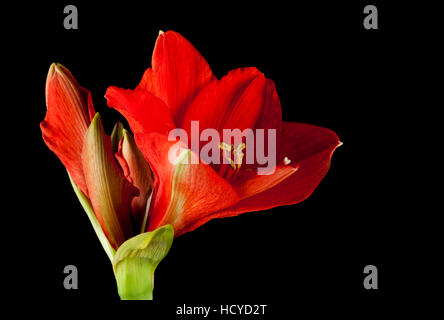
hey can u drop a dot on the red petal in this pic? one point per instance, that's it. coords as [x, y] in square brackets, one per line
[110, 193]
[179, 72]
[311, 147]
[184, 193]
[249, 183]
[69, 110]
[144, 112]
[138, 173]
[305, 143]
[271, 115]
[235, 101]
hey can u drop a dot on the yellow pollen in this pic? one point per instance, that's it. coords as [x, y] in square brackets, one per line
[237, 153]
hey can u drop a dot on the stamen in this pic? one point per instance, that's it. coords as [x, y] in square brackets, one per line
[287, 161]
[238, 155]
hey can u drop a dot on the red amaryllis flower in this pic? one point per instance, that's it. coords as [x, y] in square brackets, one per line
[180, 88]
[112, 176]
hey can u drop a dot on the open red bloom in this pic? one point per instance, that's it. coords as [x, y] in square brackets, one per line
[180, 88]
[113, 176]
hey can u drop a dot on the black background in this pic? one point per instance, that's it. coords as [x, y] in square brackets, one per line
[308, 257]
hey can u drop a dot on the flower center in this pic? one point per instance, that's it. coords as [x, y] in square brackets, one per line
[234, 156]
[237, 152]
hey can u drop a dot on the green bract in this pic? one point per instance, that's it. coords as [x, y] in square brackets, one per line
[136, 260]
